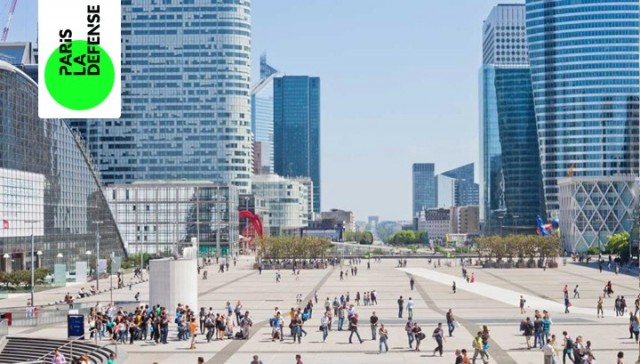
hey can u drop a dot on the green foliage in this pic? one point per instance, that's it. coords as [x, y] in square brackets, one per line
[292, 247]
[520, 246]
[23, 277]
[406, 237]
[133, 260]
[618, 243]
[593, 250]
[362, 237]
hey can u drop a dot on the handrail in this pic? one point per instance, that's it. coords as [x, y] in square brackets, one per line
[70, 342]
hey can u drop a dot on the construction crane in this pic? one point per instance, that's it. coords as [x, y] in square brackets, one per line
[5, 31]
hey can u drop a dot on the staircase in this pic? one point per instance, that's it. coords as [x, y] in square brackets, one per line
[25, 349]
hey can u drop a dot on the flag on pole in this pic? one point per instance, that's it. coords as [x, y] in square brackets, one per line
[5, 224]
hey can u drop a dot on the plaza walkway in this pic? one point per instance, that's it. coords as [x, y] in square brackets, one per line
[492, 300]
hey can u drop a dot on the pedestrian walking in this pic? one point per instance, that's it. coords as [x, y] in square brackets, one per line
[478, 349]
[400, 306]
[549, 352]
[408, 328]
[384, 336]
[410, 308]
[568, 348]
[567, 303]
[600, 310]
[418, 335]
[528, 332]
[453, 287]
[412, 282]
[353, 327]
[373, 320]
[299, 359]
[256, 360]
[325, 321]
[296, 327]
[438, 335]
[450, 322]
[620, 357]
[522, 302]
[576, 292]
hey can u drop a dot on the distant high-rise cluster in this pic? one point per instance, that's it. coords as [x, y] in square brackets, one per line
[559, 118]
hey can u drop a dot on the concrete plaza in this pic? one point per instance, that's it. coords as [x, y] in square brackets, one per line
[492, 301]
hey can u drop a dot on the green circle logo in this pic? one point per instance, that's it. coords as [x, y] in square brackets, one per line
[81, 77]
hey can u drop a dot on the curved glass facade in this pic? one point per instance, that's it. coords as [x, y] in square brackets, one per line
[186, 111]
[47, 187]
[585, 77]
[512, 187]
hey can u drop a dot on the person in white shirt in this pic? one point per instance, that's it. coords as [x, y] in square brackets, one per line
[549, 352]
[410, 308]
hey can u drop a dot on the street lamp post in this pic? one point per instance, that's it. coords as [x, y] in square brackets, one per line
[98, 223]
[246, 220]
[515, 217]
[32, 260]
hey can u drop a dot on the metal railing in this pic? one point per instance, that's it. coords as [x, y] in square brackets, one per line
[56, 314]
[43, 358]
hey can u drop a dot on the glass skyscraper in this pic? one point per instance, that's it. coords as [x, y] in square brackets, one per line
[186, 107]
[425, 195]
[510, 177]
[296, 124]
[585, 76]
[466, 188]
[48, 187]
[262, 118]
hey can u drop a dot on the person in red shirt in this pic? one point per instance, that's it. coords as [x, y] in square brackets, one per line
[299, 359]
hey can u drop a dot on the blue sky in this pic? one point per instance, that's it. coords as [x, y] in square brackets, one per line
[399, 85]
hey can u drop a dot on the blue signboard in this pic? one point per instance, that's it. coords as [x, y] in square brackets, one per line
[75, 326]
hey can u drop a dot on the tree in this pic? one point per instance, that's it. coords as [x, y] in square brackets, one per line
[291, 247]
[619, 243]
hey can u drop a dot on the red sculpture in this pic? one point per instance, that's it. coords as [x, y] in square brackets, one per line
[256, 223]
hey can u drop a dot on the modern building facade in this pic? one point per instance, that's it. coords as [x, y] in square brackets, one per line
[286, 201]
[48, 187]
[446, 191]
[164, 216]
[186, 105]
[262, 118]
[21, 55]
[437, 223]
[510, 177]
[586, 85]
[341, 217]
[308, 183]
[424, 187]
[467, 192]
[296, 113]
[592, 208]
[464, 220]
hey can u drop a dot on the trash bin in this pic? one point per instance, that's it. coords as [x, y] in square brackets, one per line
[7, 316]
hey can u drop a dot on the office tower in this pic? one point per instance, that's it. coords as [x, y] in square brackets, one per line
[446, 191]
[510, 178]
[48, 187]
[262, 118]
[466, 188]
[286, 201]
[584, 71]
[296, 126]
[186, 107]
[424, 187]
